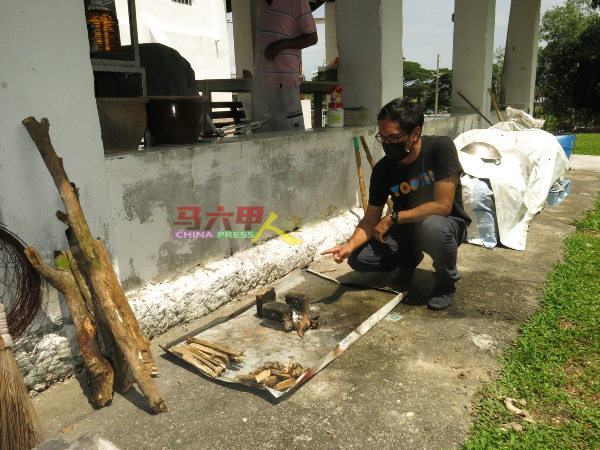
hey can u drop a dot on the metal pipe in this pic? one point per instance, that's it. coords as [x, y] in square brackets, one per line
[476, 110]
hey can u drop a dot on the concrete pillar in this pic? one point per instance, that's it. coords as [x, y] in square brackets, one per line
[331, 48]
[369, 41]
[243, 16]
[243, 13]
[520, 57]
[472, 56]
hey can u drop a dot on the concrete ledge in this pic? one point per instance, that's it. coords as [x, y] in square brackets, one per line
[161, 306]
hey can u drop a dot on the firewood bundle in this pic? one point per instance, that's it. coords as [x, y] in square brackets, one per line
[96, 301]
[210, 358]
[275, 375]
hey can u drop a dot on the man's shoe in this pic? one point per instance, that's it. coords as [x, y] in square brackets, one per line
[405, 276]
[443, 296]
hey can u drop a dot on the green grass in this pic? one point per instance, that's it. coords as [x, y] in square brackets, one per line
[555, 363]
[587, 144]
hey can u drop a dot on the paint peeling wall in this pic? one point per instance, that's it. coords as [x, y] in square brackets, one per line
[302, 178]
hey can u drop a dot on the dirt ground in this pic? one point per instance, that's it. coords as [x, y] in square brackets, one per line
[404, 385]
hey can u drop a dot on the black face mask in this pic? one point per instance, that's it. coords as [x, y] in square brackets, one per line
[395, 151]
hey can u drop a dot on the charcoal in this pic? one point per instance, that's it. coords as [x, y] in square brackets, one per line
[299, 302]
[264, 297]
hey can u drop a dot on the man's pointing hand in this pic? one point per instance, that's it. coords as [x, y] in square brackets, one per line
[340, 253]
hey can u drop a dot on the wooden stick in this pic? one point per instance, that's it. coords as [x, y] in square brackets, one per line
[98, 370]
[194, 360]
[98, 272]
[476, 110]
[495, 104]
[221, 348]
[372, 164]
[361, 181]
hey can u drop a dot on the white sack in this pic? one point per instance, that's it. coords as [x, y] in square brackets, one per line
[478, 203]
[532, 160]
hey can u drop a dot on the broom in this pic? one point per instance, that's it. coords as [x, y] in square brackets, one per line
[19, 426]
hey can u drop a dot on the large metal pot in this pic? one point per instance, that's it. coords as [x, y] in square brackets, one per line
[176, 120]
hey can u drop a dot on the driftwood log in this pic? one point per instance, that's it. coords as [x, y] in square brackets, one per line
[99, 373]
[123, 375]
[101, 275]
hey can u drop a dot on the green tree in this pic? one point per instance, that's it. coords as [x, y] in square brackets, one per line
[497, 68]
[568, 67]
[445, 91]
[416, 76]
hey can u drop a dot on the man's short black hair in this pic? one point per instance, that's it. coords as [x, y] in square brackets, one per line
[407, 114]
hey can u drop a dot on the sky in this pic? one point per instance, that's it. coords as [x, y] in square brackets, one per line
[428, 30]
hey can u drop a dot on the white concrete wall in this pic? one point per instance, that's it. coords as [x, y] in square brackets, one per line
[473, 54]
[331, 48]
[369, 39]
[520, 57]
[45, 71]
[299, 177]
[453, 126]
[198, 31]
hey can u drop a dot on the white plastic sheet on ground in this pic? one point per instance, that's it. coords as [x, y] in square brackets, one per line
[532, 160]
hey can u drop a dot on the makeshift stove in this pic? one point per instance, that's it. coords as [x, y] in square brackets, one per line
[279, 345]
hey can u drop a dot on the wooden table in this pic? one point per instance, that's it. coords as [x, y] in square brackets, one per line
[318, 88]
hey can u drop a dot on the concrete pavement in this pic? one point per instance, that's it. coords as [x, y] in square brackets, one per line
[405, 385]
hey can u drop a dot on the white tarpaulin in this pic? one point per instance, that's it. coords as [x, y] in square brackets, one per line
[532, 160]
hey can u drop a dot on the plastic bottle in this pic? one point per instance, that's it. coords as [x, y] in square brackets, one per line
[106, 26]
[335, 115]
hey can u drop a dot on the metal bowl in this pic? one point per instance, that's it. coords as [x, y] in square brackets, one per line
[484, 151]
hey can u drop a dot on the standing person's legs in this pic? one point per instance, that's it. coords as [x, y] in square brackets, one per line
[289, 111]
[400, 250]
[262, 107]
[440, 238]
[279, 108]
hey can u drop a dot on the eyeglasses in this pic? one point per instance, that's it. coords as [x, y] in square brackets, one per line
[389, 139]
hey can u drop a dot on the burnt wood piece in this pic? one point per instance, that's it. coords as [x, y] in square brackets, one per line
[302, 324]
[99, 273]
[299, 302]
[99, 373]
[279, 326]
[264, 297]
[279, 312]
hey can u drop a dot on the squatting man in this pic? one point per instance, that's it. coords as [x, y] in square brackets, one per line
[422, 175]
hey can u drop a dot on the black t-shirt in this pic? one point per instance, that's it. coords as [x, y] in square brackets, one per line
[411, 185]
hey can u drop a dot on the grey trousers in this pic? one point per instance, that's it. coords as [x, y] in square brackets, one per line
[438, 236]
[279, 108]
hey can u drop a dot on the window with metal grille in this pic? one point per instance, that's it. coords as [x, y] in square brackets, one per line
[183, 2]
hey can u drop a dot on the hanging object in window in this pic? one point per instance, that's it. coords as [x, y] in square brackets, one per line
[103, 26]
